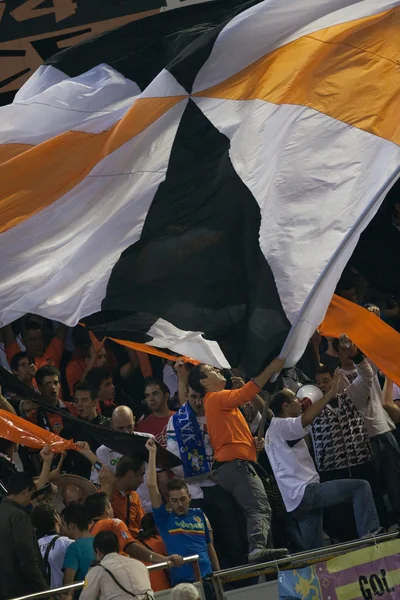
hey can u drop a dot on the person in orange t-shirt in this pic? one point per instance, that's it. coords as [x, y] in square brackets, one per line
[101, 517]
[235, 450]
[125, 500]
[151, 539]
[33, 340]
[48, 381]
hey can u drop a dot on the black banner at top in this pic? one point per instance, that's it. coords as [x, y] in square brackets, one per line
[31, 31]
[26, 18]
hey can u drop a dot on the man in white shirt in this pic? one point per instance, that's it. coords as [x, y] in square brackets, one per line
[52, 544]
[303, 494]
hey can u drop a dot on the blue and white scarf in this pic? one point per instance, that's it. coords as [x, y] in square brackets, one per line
[190, 441]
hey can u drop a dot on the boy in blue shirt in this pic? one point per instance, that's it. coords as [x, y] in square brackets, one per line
[79, 555]
[185, 530]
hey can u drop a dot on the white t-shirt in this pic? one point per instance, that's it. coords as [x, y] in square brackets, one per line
[376, 419]
[290, 459]
[56, 557]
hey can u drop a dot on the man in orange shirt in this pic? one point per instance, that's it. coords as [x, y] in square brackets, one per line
[235, 451]
[121, 487]
[101, 517]
[48, 381]
[33, 340]
[125, 500]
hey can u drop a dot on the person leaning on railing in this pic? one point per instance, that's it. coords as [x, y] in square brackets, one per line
[115, 576]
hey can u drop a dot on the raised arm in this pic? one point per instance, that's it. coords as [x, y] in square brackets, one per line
[387, 401]
[359, 391]
[274, 367]
[155, 496]
[183, 374]
[5, 405]
[315, 409]
[238, 397]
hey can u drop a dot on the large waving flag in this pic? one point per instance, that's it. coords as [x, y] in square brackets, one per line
[196, 176]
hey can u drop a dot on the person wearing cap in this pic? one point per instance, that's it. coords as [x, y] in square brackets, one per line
[235, 452]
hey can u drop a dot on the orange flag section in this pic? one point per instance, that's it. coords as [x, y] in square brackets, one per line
[151, 350]
[309, 72]
[23, 432]
[375, 338]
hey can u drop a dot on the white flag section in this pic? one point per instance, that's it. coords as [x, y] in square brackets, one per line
[94, 154]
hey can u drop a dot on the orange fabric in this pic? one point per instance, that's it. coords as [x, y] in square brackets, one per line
[144, 364]
[74, 371]
[230, 435]
[309, 72]
[151, 350]
[52, 354]
[136, 513]
[158, 579]
[48, 177]
[118, 527]
[19, 430]
[379, 342]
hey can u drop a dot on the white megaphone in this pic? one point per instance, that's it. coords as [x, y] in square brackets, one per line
[308, 394]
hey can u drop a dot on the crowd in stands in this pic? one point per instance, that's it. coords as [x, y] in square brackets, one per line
[262, 473]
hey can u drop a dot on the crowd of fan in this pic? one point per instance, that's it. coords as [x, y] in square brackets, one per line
[316, 473]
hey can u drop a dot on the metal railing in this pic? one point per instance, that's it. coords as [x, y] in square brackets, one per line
[294, 561]
[79, 584]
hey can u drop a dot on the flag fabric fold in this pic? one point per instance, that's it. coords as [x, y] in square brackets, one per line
[373, 336]
[19, 430]
[198, 180]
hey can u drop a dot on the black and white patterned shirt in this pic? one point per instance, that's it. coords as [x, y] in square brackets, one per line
[339, 434]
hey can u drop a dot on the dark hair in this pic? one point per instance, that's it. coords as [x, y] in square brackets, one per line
[81, 339]
[76, 514]
[106, 542]
[324, 369]
[14, 363]
[128, 463]
[148, 528]
[43, 518]
[18, 482]
[46, 371]
[177, 484]
[194, 379]
[96, 504]
[163, 387]
[95, 378]
[84, 386]
[5, 445]
[32, 324]
[277, 401]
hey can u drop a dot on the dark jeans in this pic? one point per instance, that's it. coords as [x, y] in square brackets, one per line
[240, 479]
[339, 521]
[228, 524]
[318, 496]
[387, 468]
